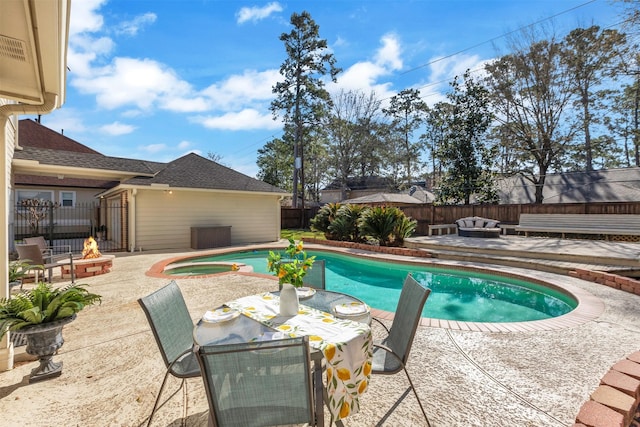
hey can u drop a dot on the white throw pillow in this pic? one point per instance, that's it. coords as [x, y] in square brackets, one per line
[479, 223]
[492, 224]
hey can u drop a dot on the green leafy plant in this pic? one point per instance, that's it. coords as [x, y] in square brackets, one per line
[43, 304]
[386, 225]
[20, 268]
[324, 218]
[293, 268]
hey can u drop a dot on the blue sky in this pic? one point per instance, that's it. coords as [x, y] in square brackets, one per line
[155, 80]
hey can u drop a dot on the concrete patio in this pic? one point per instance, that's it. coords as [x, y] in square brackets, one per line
[112, 368]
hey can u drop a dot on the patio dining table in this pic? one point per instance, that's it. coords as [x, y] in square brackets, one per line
[345, 345]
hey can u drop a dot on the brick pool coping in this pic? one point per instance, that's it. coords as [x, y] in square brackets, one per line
[589, 307]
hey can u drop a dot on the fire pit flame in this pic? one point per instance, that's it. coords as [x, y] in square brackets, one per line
[90, 249]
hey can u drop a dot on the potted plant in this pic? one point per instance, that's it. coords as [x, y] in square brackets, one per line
[40, 313]
[292, 268]
[290, 272]
[101, 232]
[18, 270]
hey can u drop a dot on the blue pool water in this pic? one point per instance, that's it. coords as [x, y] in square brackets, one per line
[455, 294]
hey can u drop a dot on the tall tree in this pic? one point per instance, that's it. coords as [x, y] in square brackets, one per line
[350, 129]
[407, 113]
[589, 55]
[275, 162]
[531, 91]
[464, 155]
[301, 98]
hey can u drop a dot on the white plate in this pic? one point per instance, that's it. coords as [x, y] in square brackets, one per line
[305, 292]
[218, 315]
[351, 309]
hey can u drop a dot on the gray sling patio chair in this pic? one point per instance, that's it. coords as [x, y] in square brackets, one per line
[260, 383]
[32, 254]
[390, 356]
[172, 328]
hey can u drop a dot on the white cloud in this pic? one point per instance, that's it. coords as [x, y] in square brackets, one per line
[255, 13]
[246, 119]
[84, 17]
[365, 75]
[185, 105]
[117, 128]
[183, 145]
[130, 81]
[64, 119]
[132, 27]
[153, 148]
[389, 54]
[242, 89]
[448, 68]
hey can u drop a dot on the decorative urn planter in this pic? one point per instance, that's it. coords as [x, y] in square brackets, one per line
[43, 341]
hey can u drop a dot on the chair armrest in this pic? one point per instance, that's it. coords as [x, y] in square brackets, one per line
[391, 352]
[59, 249]
[380, 322]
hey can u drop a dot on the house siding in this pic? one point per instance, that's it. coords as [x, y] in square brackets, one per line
[164, 221]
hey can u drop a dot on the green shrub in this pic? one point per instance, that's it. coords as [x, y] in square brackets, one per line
[346, 224]
[388, 226]
[324, 218]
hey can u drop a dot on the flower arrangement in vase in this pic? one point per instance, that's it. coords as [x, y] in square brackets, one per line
[293, 267]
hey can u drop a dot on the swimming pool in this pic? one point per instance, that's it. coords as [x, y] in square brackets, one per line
[467, 296]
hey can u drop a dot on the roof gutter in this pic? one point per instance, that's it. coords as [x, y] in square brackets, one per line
[7, 110]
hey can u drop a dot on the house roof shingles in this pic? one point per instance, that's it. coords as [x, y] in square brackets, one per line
[34, 134]
[47, 147]
[194, 171]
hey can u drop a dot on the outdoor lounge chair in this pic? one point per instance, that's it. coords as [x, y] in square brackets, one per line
[32, 254]
[260, 383]
[172, 328]
[391, 355]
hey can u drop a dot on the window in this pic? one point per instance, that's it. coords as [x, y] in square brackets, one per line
[68, 198]
[33, 194]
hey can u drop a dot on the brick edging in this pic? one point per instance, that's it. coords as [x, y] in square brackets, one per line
[615, 401]
[392, 250]
[615, 281]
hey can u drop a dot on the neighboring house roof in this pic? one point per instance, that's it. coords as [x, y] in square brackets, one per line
[34, 134]
[363, 183]
[610, 185]
[194, 171]
[382, 198]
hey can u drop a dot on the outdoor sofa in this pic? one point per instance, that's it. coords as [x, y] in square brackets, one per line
[475, 226]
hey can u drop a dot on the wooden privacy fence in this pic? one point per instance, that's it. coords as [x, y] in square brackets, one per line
[510, 214]
[297, 217]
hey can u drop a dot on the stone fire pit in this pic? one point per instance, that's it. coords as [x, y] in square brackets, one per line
[92, 263]
[88, 267]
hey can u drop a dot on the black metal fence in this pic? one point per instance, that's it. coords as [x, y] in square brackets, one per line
[71, 225]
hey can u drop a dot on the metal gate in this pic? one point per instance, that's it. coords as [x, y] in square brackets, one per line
[66, 225]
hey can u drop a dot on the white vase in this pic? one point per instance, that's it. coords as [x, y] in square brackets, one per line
[288, 300]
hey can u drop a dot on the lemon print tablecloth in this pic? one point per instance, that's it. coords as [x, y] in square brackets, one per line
[346, 346]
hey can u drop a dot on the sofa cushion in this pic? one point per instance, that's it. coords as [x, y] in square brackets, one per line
[491, 224]
[478, 223]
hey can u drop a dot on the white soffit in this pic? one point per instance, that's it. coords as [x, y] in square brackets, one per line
[33, 49]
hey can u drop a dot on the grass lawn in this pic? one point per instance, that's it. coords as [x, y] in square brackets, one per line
[297, 234]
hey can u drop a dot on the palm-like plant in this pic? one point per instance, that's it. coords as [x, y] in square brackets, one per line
[324, 218]
[345, 226]
[389, 226]
[378, 223]
[43, 304]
